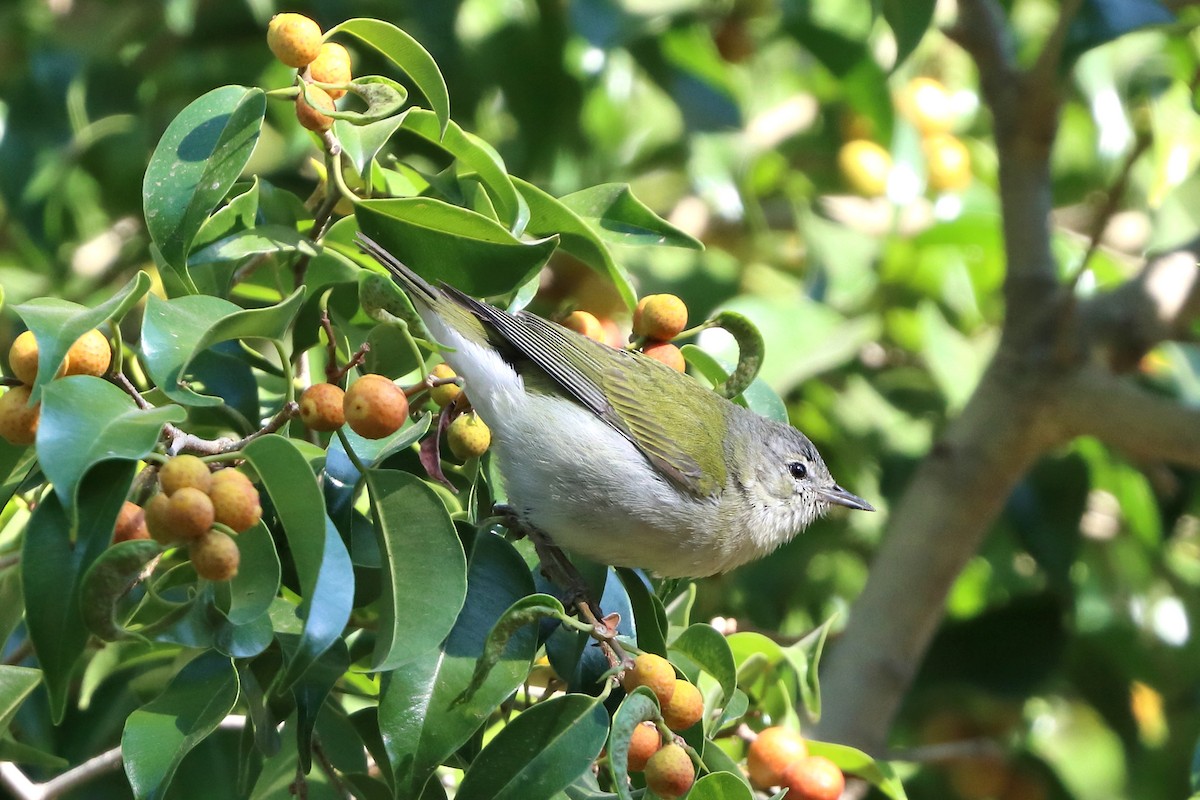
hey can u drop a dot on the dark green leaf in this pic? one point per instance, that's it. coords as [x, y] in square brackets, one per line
[20, 753]
[15, 685]
[159, 734]
[528, 610]
[70, 442]
[909, 20]
[255, 241]
[639, 706]
[647, 610]
[1100, 21]
[108, 579]
[614, 213]
[310, 693]
[425, 579]
[705, 649]
[361, 143]
[539, 753]
[197, 160]
[407, 54]
[254, 587]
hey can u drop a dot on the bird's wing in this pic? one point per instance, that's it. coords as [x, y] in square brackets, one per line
[604, 380]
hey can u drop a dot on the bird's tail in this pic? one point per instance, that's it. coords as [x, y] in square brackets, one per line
[413, 284]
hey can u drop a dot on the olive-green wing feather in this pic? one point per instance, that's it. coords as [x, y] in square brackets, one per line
[637, 396]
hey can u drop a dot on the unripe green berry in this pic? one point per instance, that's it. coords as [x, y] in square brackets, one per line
[321, 407]
[468, 436]
[670, 772]
[654, 672]
[375, 407]
[660, 317]
[235, 501]
[183, 472]
[189, 513]
[19, 420]
[686, 707]
[294, 39]
[215, 556]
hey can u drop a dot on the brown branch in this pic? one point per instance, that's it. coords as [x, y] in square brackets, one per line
[1112, 202]
[1049, 62]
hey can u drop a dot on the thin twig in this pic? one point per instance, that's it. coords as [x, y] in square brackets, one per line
[19, 653]
[1046, 68]
[1112, 202]
[327, 768]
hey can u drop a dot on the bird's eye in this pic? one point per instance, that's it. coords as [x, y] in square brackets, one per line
[798, 469]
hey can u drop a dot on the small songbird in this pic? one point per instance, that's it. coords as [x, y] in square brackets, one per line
[615, 456]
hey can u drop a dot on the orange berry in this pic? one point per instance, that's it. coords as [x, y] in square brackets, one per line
[770, 754]
[19, 420]
[23, 358]
[321, 407]
[189, 513]
[89, 355]
[866, 166]
[131, 523]
[686, 707]
[643, 743]
[235, 501]
[310, 116]
[294, 39]
[585, 323]
[947, 163]
[446, 393]
[661, 317]
[332, 65]
[814, 778]
[156, 519]
[653, 672]
[468, 436]
[928, 106]
[670, 773]
[375, 407]
[184, 471]
[215, 556]
[666, 353]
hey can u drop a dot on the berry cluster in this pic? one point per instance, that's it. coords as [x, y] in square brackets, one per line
[779, 757]
[89, 355]
[325, 66]
[668, 768]
[195, 507]
[657, 320]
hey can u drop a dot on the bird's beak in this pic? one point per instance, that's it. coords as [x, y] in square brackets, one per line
[839, 496]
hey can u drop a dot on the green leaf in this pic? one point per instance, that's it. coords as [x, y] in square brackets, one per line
[255, 241]
[19, 753]
[425, 579]
[804, 656]
[618, 216]
[383, 96]
[406, 53]
[419, 720]
[447, 243]
[56, 324]
[702, 647]
[70, 440]
[1100, 21]
[310, 693]
[855, 762]
[528, 610]
[52, 566]
[548, 215]
[476, 156]
[720, 786]
[159, 734]
[648, 611]
[322, 563]
[15, 685]
[107, 580]
[539, 753]
[361, 143]
[202, 153]
[175, 331]
[253, 589]
[640, 705]
[758, 396]
[909, 19]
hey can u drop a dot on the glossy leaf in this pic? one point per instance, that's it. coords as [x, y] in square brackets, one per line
[56, 324]
[804, 656]
[705, 649]
[108, 579]
[640, 705]
[425, 575]
[52, 566]
[322, 563]
[201, 154]
[255, 241]
[447, 243]
[361, 143]
[529, 610]
[253, 589]
[310, 693]
[618, 216]
[648, 610]
[720, 786]
[159, 734]
[407, 54]
[70, 443]
[855, 762]
[15, 685]
[539, 753]
[421, 722]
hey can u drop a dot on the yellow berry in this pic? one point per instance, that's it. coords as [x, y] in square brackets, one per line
[215, 556]
[771, 753]
[653, 672]
[813, 778]
[446, 393]
[19, 420]
[670, 773]
[866, 166]
[686, 707]
[375, 407]
[661, 317]
[310, 116]
[184, 471]
[332, 65]
[644, 743]
[321, 407]
[947, 163]
[928, 106]
[189, 513]
[294, 39]
[23, 358]
[468, 436]
[585, 323]
[156, 520]
[131, 523]
[235, 501]
[89, 355]
[666, 353]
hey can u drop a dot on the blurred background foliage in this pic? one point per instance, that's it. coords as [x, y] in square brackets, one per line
[1066, 666]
